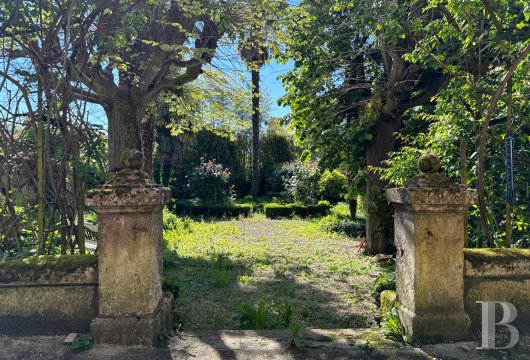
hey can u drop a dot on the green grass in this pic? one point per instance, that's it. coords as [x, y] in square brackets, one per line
[220, 266]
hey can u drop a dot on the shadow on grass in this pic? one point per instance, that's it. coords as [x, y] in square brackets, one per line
[209, 293]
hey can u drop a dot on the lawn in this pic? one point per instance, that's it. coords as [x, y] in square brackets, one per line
[222, 267]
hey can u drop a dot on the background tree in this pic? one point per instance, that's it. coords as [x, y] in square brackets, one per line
[255, 56]
[483, 54]
[350, 88]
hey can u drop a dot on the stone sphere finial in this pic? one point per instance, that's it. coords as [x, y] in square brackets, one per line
[429, 163]
[132, 159]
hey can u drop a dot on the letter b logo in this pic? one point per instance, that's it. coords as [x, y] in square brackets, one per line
[488, 324]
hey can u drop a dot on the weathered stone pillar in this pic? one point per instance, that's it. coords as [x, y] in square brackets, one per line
[132, 309]
[430, 225]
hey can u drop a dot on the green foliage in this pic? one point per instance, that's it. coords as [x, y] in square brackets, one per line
[83, 342]
[264, 316]
[170, 282]
[209, 182]
[301, 181]
[186, 207]
[169, 220]
[343, 225]
[392, 325]
[276, 148]
[296, 333]
[273, 177]
[385, 281]
[277, 211]
[332, 185]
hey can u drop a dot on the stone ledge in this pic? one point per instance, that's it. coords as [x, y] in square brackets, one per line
[438, 198]
[50, 270]
[497, 263]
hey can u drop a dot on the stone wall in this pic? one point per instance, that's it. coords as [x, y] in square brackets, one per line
[497, 275]
[44, 295]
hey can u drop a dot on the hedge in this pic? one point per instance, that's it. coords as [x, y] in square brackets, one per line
[182, 207]
[276, 211]
[348, 227]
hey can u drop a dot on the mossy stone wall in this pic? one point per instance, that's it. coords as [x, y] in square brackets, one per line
[497, 275]
[47, 295]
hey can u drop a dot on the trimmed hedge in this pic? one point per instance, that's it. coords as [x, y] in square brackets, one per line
[276, 211]
[182, 207]
[348, 227]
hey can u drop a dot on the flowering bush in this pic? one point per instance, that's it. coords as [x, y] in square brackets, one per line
[301, 181]
[209, 182]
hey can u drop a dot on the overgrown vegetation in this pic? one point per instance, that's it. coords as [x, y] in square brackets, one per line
[258, 272]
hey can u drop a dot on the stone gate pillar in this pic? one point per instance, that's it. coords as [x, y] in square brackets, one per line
[132, 309]
[430, 224]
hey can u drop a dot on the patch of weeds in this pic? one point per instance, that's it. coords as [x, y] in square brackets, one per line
[222, 261]
[296, 333]
[305, 312]
[83, 342]
[264, 316]
[385, 281]
[170, 283]
[392, 326]
[220, 274]
[280, 271]
[220, 277]
[245, 279]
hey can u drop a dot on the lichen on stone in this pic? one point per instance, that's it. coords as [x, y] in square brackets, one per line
[34, 267]
[481, 257]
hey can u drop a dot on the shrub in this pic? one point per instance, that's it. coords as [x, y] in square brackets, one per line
[301, 181]
[170, 220]
[186, 207]
[209, 182]
[344, 225]
[332, 185]
[276, 211]
[385, 281]
[273, 176]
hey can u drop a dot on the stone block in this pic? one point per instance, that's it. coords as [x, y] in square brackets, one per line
[134, 330]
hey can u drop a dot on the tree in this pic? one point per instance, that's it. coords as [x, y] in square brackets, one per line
[123, 53]
[350, 88]
[254, 49]
[255, 56]
[483, 54]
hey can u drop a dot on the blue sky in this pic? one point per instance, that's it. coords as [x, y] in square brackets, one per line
[269, 77]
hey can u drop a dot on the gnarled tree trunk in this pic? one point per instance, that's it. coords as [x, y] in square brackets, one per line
[379, 221]
[125, 116]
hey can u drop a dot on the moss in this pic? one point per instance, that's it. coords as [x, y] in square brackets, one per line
[34, 266]
[480, 257]
[388, 301]
[377, 339]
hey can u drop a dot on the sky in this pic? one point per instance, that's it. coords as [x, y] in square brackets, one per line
[269, 77]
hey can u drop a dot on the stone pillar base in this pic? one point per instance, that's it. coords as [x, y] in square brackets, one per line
[434, 328]
[133, 330]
